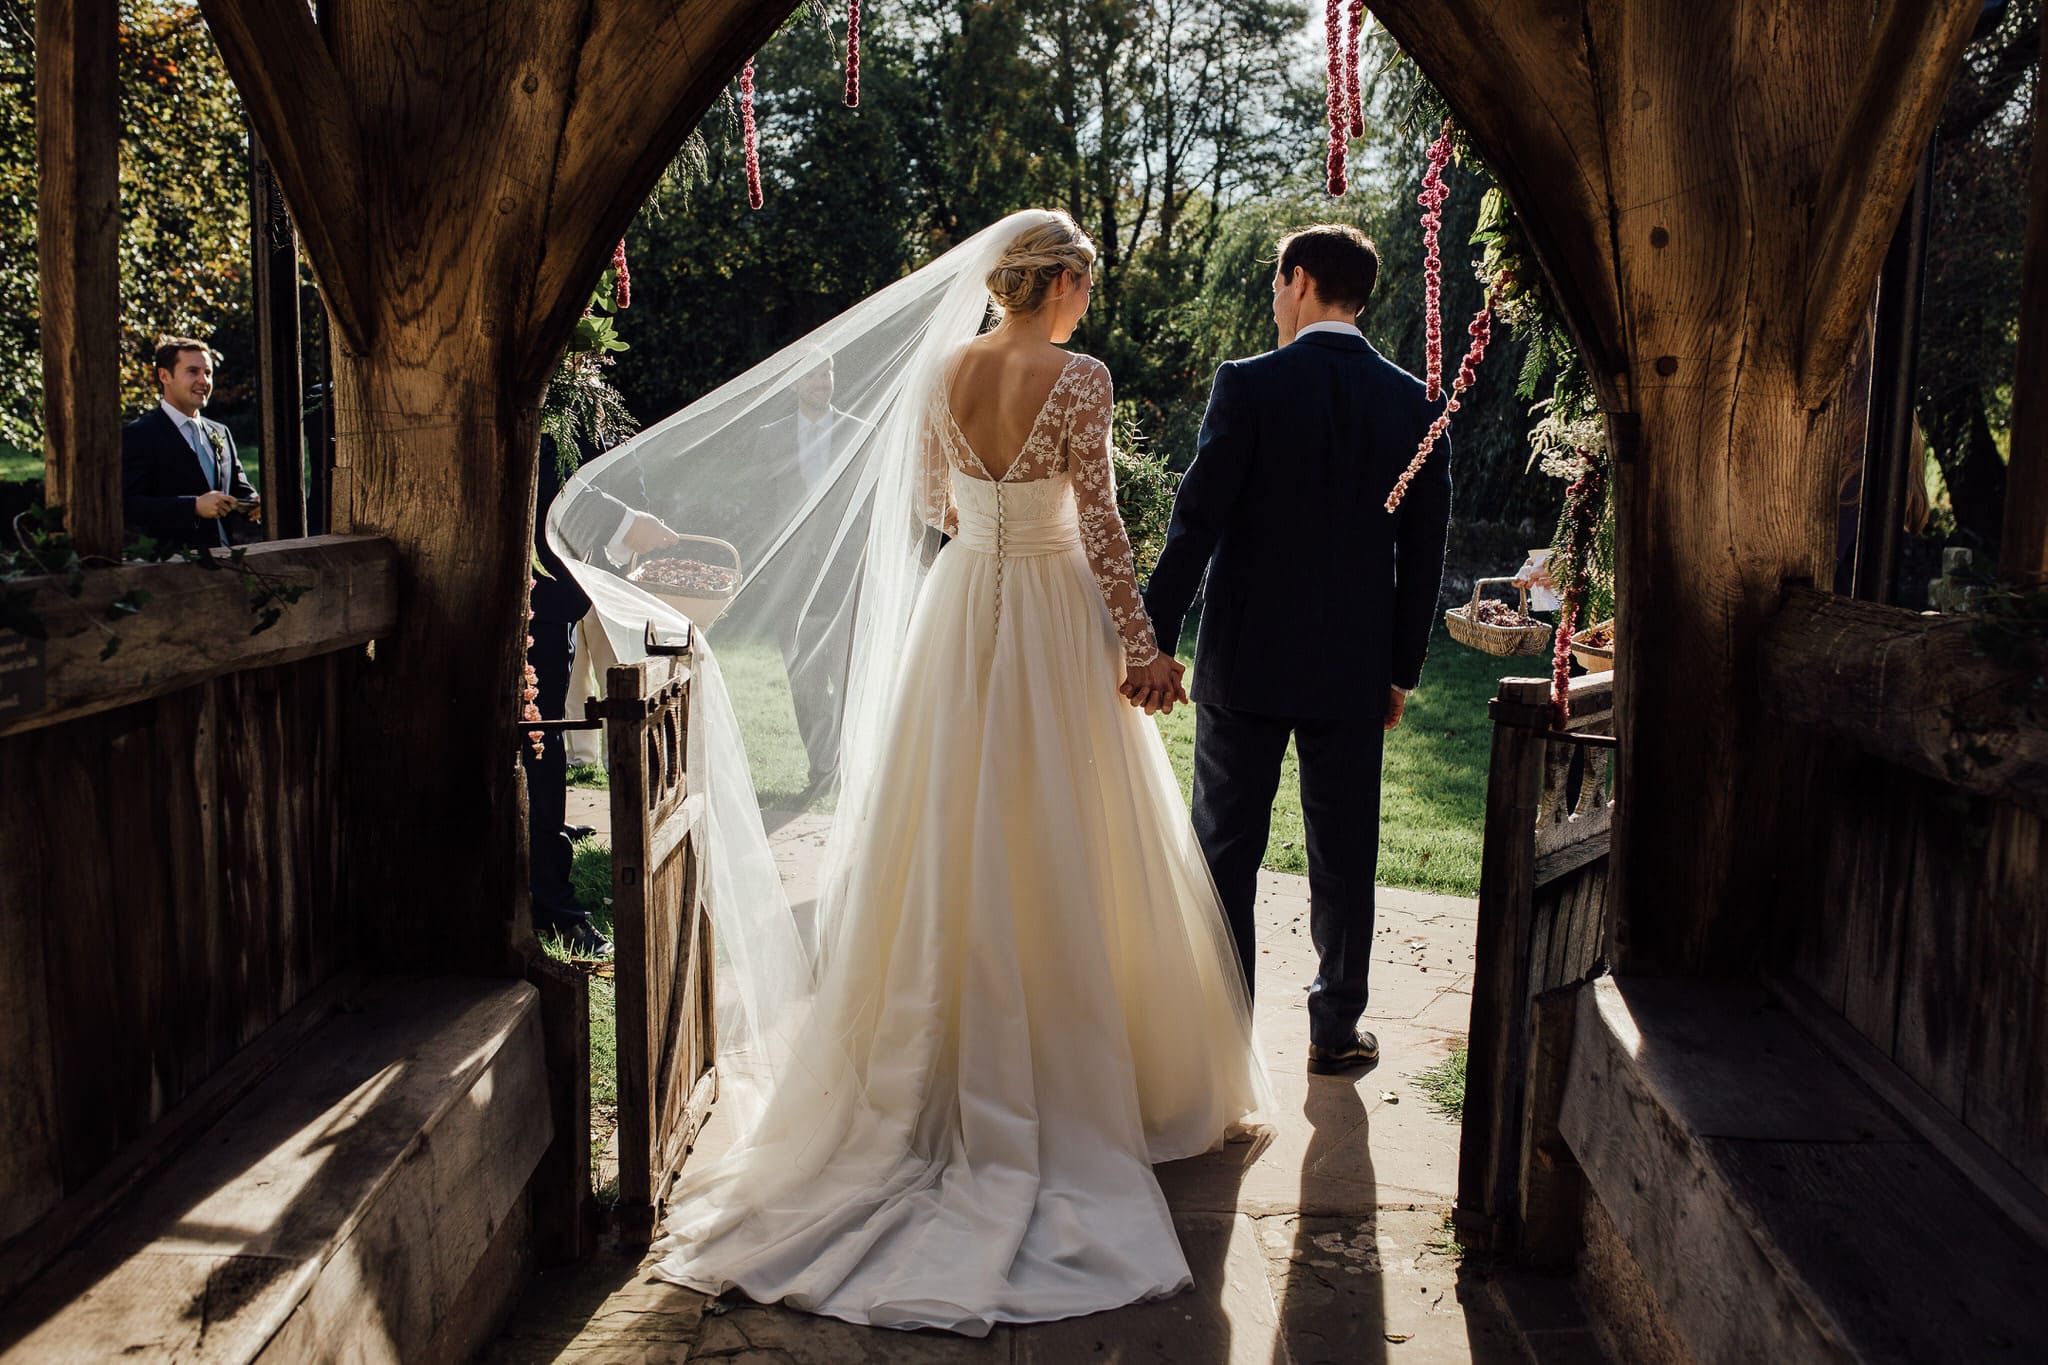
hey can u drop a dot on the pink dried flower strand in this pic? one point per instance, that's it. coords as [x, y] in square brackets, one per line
[1561, 664]
[853, 54]
[1357, 100]
[622, 281]
[750, 136]
[1432, 199]
[1481, 331]
[1334, 97]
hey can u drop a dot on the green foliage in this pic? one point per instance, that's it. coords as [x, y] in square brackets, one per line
[1145, 486]
[1444, 1083]
[43, 549]
[184, 207]
[582, 411]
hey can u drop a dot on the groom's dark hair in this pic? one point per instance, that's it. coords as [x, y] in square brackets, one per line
[1338, 258]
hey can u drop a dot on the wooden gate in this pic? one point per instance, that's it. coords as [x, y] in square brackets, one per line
[1542, 928]
[666, 1038]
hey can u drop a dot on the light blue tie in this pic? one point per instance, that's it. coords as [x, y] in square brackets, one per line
[205, 453]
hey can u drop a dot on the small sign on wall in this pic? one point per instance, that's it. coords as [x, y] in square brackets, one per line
[21, 675]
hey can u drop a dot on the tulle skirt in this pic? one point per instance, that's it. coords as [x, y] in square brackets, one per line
[1027, 997]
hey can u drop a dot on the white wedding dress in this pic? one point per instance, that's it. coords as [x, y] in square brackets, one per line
[1028, 995]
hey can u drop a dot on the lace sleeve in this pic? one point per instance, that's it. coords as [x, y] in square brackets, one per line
[1102, 530]
[935, 476]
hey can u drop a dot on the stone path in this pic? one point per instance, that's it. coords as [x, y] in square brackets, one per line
[1327, 1247]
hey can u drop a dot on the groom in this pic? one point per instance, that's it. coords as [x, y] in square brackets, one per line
[1317, 611]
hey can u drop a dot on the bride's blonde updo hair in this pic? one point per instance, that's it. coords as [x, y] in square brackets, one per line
[1038, 257]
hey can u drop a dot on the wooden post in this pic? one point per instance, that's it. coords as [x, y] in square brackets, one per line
[2023, 545]
[451, 279]
[1709, 188]
[1500, 976]
[274, 285]
[78, 241]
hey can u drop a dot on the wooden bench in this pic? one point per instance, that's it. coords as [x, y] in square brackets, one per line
[365, 1202]
[1778, 1206]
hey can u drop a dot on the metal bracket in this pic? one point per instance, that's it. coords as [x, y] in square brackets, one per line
[653, 643]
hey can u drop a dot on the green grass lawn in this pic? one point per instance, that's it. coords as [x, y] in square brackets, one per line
[18, 465]
[1433, 788]
[1432, 797]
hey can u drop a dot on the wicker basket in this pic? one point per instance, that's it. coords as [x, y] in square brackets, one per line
[701, 607]
[1533, 638]
[1595, 658]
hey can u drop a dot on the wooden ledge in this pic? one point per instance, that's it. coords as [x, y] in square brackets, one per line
[195, 626]
[1778, 1209]
[1907, 688]
[336, 1212]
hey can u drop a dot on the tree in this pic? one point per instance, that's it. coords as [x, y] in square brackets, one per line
[184, 206]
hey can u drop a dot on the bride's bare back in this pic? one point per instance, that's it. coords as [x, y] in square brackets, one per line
[999, 388]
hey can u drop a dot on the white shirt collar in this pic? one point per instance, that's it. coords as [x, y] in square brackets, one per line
[178, 419]
[1341, 328]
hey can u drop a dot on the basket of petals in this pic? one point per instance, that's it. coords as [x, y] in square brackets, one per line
[1594, 647]
[698, 576]
[1496, 627]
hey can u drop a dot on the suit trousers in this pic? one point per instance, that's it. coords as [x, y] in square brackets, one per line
[1238, 755]
[549, 852]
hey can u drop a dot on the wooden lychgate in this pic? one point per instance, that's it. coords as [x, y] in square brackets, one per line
[666, 1027]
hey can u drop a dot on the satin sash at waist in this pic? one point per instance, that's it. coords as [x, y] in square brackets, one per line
[1019, 536]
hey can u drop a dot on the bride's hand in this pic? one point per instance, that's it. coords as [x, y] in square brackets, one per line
[1155, 686]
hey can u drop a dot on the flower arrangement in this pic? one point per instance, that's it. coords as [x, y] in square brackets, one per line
[1578, 529]
[529, 686]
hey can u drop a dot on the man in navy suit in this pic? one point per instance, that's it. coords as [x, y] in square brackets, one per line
[180, 476]
[1318, 607]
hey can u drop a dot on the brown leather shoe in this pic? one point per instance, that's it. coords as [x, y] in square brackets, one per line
[1362, 1051]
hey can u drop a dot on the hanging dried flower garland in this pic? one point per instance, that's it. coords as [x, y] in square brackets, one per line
[1434, 192]
[529, 684]
[1582, 503]
[622, 279]
[1357, 99]
[1335, 97]
[853, 54]
[750, 137]
[1481, 332]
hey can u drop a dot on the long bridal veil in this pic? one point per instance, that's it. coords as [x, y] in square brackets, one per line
[793, 492]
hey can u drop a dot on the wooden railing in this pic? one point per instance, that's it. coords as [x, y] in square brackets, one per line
[1542, 926]
[172, 858]
[666, 1024]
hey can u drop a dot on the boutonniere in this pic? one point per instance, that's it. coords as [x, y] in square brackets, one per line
[217, 438]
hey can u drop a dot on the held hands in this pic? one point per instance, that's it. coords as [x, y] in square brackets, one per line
[213, 506]
[1156, 686]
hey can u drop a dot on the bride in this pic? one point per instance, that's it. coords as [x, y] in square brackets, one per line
[1025, 992]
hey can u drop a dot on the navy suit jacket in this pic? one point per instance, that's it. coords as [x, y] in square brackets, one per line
[161, 477]
[1317, 595]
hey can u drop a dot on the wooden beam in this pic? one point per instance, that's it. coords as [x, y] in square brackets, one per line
[639, 56]
[2023, 545]
[274, 285]
[1870, 171]
[1913, 690]
[195, 625]
[1521, 82]
[299, 107]
[78, 245]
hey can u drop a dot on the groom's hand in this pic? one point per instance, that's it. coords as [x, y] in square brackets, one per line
[1397, 701]
[1155, 686]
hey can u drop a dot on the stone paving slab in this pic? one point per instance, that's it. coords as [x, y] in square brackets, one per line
[1322, 1245]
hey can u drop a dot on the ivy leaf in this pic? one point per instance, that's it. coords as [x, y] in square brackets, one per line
[127, 604]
